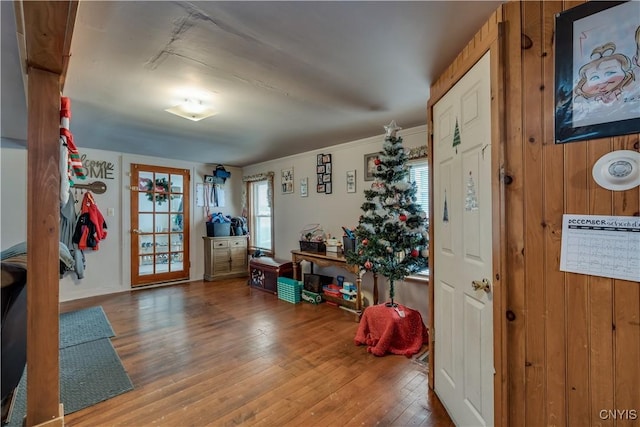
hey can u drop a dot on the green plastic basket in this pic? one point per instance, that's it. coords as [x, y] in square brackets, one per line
[289, 290]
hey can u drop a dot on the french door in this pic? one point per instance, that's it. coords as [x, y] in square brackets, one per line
[159, 224]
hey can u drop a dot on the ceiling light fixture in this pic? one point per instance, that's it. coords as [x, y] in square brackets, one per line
[192, 109]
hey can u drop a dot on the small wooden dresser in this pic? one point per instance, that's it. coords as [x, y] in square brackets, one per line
[225, 257]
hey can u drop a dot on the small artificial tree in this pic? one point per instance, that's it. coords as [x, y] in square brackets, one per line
[392, 230]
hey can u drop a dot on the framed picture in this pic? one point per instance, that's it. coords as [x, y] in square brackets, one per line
[323, 172]
[597, 66]
[351, 181]
[287, 181]
[208, 179]
[304, 186]
[369, 165]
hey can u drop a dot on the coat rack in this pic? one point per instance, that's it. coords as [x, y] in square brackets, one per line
[97, 187]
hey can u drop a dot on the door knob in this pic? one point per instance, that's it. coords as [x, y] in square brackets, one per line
[135, 230]
[484, 285]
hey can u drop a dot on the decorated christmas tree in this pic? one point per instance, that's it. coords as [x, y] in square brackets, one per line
[392, 230]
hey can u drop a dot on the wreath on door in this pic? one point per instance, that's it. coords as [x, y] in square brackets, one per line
[159, 187]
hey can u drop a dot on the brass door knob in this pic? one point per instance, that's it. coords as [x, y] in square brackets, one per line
[484, 285]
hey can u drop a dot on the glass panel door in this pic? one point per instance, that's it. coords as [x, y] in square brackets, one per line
[159, 224]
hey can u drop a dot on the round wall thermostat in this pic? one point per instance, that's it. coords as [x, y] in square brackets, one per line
[618, 170]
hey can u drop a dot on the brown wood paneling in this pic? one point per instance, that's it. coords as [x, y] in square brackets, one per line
[587, 364]
[535, 326]
[626, 311]
[43, 223]
[514, 216]
[499, 230]
[553, 190]
[469, 56]
[600, 306]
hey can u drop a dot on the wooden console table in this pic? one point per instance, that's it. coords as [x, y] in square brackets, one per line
[338, 260]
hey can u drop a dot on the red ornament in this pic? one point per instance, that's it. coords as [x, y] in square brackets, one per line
[414, 253]
[368, 265]
[377, 161]
[402, 217]
[365, 242]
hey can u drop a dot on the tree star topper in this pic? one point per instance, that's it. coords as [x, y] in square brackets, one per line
[392, 129]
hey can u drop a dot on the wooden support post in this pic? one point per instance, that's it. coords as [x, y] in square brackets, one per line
[43, 223]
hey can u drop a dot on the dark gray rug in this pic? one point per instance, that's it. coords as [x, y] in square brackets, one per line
[90, 372]
[84, 325]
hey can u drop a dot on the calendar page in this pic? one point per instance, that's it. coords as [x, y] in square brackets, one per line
[607, 246]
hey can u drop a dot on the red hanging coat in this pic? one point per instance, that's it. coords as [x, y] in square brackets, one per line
[91, 226]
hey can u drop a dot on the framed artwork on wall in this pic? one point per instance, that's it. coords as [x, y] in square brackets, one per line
[323, 172]
[597, 66]
[287, 181]
[351, 181]
[304, 187]
[370, 165]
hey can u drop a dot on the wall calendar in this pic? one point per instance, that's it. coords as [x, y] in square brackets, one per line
[607, 246]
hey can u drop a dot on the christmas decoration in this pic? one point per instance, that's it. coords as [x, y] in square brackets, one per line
[456, 137]
[471, 201]
[393, 224]
[159, 188]
[445, 215]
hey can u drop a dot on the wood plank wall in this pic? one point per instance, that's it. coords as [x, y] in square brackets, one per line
[574, 341]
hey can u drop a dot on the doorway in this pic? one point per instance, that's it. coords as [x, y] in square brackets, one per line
[159, 224]
[463, 248]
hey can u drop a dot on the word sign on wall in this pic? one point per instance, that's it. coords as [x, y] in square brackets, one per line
[97, 168]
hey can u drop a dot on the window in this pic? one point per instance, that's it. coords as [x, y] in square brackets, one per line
[261, 218]
[419, 173]
[259, 199]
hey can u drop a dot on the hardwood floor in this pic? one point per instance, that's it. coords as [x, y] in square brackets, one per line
[220, 354]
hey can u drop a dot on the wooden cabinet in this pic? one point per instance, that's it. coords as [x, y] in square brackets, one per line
[265, 272]
[225, 257]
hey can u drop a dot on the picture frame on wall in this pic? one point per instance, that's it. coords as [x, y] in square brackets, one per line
[351, 181]
[287, 181]
[597, 71]
[304, 187]
[323, 172]
[370, 166]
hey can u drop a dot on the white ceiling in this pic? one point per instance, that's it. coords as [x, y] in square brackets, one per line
[285, 77]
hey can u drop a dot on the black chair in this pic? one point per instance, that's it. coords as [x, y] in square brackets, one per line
[14, 326]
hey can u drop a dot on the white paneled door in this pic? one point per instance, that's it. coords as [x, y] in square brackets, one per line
[463, 306]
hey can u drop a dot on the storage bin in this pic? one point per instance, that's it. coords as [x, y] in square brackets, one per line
[289, 290]
[315, 282]
[218, 229]
[348, 245]
[332, 291]
[265, 271]
[312, 246]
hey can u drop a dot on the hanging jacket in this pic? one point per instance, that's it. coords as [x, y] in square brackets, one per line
[91, 226]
